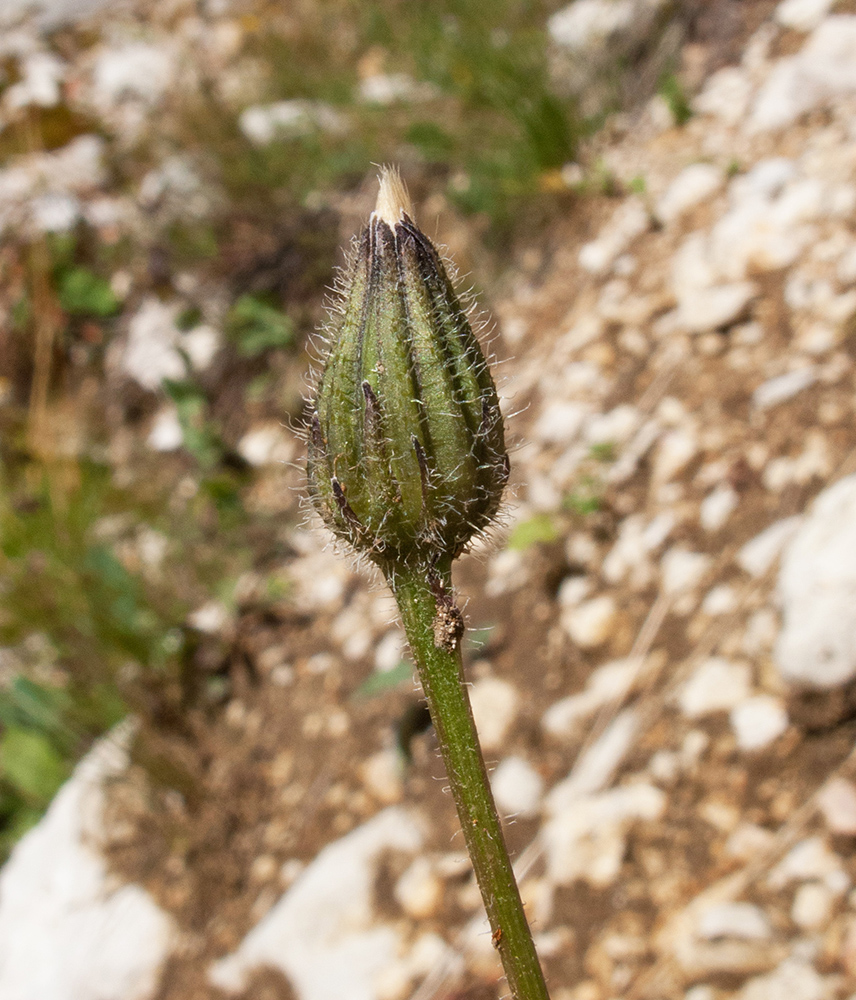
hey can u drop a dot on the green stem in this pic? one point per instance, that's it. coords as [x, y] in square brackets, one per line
[442, 677]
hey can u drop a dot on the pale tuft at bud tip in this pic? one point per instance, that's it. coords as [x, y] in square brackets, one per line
[393, 201]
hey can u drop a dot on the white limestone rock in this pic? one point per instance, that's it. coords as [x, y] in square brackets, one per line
[495, 704]
[725, 95]
[629, 221]
[683, 571]
[783, 387]
[760, 553]
[587, 839]
[41, 76]
[166, 433]
[419, 889]
[69, 929]
[744, 921]
[263, 123]
[837, 803]
[703, 309]
[323, 934]
[589, 37]
[137, 70]
[816, 647]
[606, 684]
[812, 906]
[267, 444]
[758, 721]
[156, 347]
[717, 685]
[676, 449]
[717, 507]
[794, 979]
[591, 623]
[803, 15]
[811, 859]
[822, 72]
[598, 763]
[517, 787]
[693, 185]
[588, 23]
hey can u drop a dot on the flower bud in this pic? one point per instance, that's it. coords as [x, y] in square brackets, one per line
[407, 455]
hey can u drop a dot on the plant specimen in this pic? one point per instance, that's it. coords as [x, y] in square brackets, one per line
[407, 463]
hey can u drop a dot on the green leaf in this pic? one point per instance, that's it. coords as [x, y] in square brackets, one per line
[255, 326]
[673, 93]
[84, 293]
[377, 683]
[31, 764]
[539, 528]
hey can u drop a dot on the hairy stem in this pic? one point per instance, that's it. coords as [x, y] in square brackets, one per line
[431, 623]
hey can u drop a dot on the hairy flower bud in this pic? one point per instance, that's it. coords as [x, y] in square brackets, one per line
[407, 455]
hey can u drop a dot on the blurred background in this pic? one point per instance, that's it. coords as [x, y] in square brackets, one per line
[653, 205]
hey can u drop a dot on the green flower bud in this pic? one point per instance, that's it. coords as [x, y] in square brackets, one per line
[407, 455]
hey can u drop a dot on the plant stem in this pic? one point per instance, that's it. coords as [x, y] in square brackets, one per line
[441, 673]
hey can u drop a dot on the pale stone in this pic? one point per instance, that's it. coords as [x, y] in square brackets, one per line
[419, 890]
[628, 222]
[587, 22]
[211, 618]
[517, 787]
[323, 933]
[429, 953]
[606, 684]
[138, 70]
[55, 213]
[676, 450]
[389, 651]
[713, 308]
[810, 859]
[792, 979]
[783, 387]
[717, 507]
[41, 76]
[725, 95]
[573, 591]
[736, 920]
[837, 803]
[637, 540]
[591, 623]
[267, 444]
[817, 591]
[560, 422]
[382, 774]
[263, 123]
[597, 765]
[823, 71]
[720, 600]
[812, 906]
[587, 840]
[395, 88]
[682, 571]
[717, 685]
[693, 185]
[758, 721]
[614, 427]
[803, 15]
[760, 553]
[69, 930]
[495, 705]
[151, 354]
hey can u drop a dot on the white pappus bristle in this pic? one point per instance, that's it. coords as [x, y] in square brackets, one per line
[393, 200]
